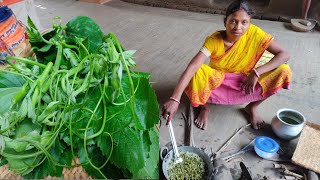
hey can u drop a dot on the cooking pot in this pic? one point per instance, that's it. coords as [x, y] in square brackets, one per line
[288, 123]
[169, 157]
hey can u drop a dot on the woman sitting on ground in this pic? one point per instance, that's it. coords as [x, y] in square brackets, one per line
[232, 76]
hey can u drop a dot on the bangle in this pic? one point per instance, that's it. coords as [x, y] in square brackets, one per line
[174, 99]
[256, 73]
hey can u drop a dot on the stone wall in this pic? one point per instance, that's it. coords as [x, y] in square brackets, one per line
[277, 10]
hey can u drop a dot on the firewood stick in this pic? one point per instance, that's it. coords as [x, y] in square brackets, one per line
[187, 132]
[225, 145]
[191, 118]
[188, 121]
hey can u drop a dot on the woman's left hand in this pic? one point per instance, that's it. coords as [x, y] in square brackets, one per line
[250, 83]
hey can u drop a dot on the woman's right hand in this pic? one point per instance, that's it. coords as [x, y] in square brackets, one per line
[169, 109]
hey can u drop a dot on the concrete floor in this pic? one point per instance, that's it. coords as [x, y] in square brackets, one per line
[167, 39]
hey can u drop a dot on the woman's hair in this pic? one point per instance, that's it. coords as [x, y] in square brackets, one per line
[238, 5]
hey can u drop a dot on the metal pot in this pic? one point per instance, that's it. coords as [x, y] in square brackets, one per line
[288, 123]
[169, 157]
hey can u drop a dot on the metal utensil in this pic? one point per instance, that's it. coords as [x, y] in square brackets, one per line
[177, 158]
[245, 149]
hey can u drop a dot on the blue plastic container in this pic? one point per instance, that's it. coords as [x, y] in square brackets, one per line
[265, 147]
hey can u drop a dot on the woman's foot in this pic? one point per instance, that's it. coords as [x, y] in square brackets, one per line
[256, 121]
[202, 120]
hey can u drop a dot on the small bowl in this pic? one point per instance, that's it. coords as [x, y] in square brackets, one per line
[265, 147]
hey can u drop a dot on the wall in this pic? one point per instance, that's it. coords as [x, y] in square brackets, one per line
[280, 10]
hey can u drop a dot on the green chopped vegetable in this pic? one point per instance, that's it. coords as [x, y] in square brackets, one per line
[192, 167]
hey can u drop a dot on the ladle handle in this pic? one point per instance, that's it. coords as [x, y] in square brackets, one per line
[173, 140]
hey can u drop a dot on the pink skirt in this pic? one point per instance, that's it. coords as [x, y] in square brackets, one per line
[229, 92]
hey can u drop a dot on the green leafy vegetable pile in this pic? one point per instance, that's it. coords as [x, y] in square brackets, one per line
[78, 98]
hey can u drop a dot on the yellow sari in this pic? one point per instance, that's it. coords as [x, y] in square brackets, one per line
[242, 57]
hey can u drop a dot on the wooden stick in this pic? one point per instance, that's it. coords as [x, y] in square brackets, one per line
[185, 119]
[186, 130]
[225, 145]
[191, 118]
[189, 124]
[232, 137]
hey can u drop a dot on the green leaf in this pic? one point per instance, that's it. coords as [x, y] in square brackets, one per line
[16, 145]
[47, 111]
[122, 118]
[128, 148]
[23, 110]
[82, 116]
[146, 108]
[128, 54]
[6, 95]
[33, 33]
[151, 168]
[22, 143]
[61, 155]
[10, 80]
[71, 56]
[3, 161]
[23, 166]
[105, 144]
[10, 85]
[146, 104]
[44, 52]
[31, 109]
[50, 57]
[85, 27]
[31, 24]
[109, 170]
[45, 48]
[25, 128]
[146, 112]
[43, 170]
